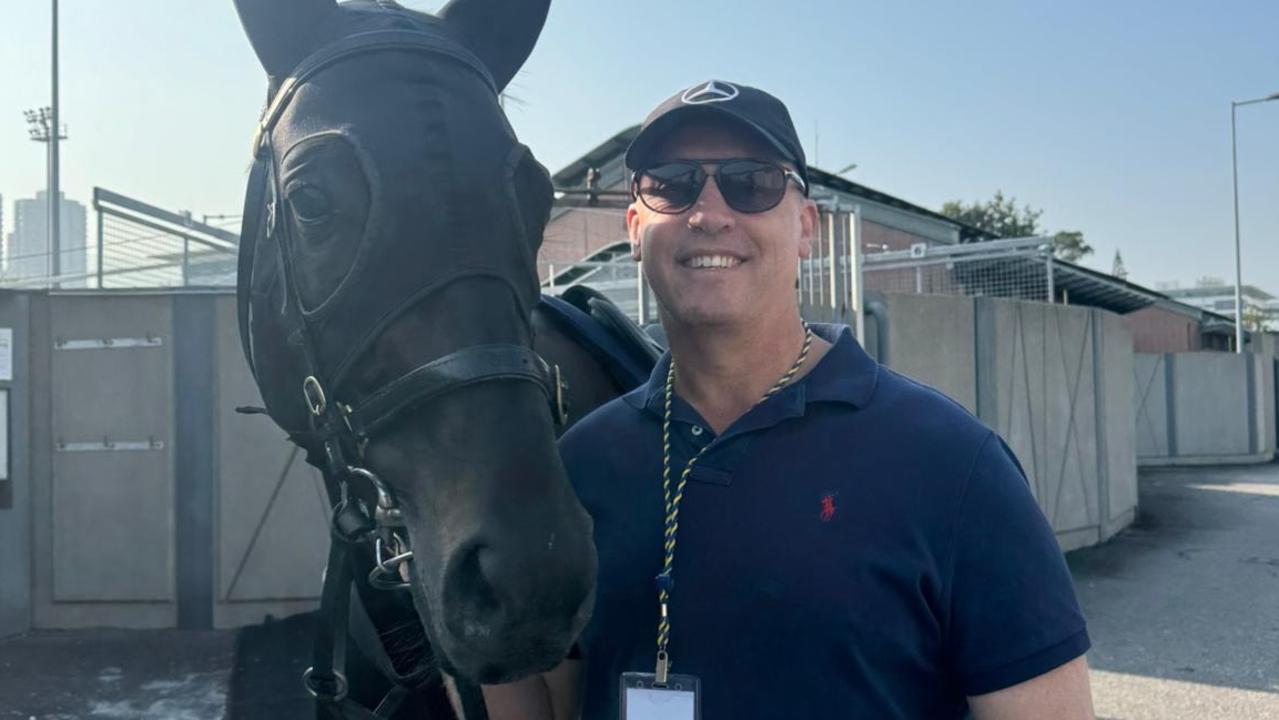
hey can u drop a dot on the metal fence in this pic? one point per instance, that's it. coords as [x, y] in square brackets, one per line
[138, 245]
[1021, 269]
[834, 279]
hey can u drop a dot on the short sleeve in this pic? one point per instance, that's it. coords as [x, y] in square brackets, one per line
[1013, 614]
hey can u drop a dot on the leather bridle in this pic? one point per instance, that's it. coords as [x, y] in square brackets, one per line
[343, 429]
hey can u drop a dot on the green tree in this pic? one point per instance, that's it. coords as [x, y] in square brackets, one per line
[1003, 217]
[1254, 319]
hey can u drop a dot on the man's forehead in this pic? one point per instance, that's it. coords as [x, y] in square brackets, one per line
[705, 140]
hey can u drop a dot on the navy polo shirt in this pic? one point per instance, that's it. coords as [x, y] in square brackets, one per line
[858, 545]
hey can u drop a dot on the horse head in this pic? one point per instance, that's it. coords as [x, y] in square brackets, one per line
[394, 221]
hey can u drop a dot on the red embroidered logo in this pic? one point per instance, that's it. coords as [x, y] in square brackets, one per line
[828, 508]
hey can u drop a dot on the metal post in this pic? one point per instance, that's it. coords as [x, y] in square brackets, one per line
[101, 218]
[186, 261]
[828, 264]
[55, 195]
[855, 287]
[1234, 164]
[1052, 289]
[1234, 160]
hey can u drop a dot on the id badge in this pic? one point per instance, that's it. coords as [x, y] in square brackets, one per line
[642, 699]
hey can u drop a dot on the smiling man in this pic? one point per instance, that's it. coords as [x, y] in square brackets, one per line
[786, 529]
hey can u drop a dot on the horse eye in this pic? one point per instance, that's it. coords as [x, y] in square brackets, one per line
[310, 203]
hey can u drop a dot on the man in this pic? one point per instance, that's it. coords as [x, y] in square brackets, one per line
[851, 545]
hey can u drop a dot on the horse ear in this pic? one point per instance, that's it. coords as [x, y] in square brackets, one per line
[501, 32]
[283, 32]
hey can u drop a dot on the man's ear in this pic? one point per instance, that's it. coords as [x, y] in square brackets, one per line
[808, 219]
[633, 232]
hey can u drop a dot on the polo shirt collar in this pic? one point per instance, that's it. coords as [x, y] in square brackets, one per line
[846, 374]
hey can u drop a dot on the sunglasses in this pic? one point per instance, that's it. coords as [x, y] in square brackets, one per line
[747, 186]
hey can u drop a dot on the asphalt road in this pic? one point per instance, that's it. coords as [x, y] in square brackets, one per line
[1183, 609]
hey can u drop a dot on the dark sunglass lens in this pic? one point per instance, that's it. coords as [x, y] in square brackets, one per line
[670, 188]
[750, 187]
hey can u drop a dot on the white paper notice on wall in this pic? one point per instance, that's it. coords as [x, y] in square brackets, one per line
[6, 354]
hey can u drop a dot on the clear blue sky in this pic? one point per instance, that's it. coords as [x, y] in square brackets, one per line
[1114, 117]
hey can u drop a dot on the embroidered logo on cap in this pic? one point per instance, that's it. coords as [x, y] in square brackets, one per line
[710, 92]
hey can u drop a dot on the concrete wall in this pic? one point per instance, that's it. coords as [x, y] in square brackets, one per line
[103, 519]
[931, 338]
[15, 493]
[271, 515]
[139, 498]
[1054, 381]
[1204, 408]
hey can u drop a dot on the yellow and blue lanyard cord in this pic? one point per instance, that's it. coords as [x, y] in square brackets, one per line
[665, 580]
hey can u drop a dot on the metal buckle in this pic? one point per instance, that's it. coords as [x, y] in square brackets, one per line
[318, 687]
[314, 395]
[386, 574]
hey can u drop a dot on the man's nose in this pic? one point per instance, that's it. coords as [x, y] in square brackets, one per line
[710, 213]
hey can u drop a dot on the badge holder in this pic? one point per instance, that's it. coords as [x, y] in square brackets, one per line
[643, 698]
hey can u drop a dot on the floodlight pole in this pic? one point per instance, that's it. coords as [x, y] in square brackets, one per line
[1234, 156]
[55, 194]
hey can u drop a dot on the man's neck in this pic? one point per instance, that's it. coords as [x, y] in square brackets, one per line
[722, 371]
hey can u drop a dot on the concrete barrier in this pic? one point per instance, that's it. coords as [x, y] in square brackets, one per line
[1204, 408]
[1054, 381]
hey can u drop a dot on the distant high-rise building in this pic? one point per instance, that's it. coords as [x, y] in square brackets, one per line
[28, 254]
[1260, 308]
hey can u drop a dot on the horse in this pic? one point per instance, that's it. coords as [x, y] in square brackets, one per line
[390, 314]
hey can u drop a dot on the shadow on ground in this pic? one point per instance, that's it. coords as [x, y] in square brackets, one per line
[1189, 595]
[135, 674]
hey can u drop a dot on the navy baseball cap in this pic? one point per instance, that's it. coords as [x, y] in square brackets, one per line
[757, 111]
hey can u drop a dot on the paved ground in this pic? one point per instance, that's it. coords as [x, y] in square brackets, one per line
[117, 674]
[1183, 608]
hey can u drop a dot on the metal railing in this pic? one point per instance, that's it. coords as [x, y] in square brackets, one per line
[1020, 269]
[136, 245]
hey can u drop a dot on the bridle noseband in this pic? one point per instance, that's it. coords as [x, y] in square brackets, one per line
[343, 429]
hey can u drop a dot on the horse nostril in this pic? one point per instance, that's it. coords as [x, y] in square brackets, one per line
[475, 607]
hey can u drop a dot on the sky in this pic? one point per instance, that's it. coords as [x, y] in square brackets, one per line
[1111, 117]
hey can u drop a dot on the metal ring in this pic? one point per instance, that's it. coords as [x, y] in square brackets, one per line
[385, 498]
[314, 395]
[386, 574]
[311, 683]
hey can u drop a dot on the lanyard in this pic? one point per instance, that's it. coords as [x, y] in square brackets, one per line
[672, 500]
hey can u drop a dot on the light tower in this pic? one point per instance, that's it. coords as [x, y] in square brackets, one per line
[41, 130]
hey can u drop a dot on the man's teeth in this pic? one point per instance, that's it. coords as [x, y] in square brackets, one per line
[713, 261]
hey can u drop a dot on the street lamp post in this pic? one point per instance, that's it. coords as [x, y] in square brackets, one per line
[1234, 155]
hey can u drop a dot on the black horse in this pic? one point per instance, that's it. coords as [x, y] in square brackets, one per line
[389, 307]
